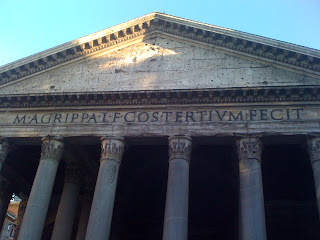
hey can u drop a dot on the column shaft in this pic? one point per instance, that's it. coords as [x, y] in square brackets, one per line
[84, 217]
[176, 213]
[314, 153]
[67, 208]
[37, 207]
[252, 218]
[102, 205]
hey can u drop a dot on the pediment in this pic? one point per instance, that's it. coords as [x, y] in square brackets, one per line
[300, 64]
[157, 63]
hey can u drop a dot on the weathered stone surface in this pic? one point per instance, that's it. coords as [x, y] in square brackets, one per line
[105, 190]
[314, 154]
[162, 121]
[157, 63]
[177, 200]
[252, 217]
[39, 198]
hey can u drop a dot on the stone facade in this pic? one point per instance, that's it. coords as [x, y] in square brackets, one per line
[157, 80]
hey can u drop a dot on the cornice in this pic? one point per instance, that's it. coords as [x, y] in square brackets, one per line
[165, 97]
[304, 59]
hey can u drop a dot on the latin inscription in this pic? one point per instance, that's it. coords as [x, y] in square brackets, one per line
[276, 114]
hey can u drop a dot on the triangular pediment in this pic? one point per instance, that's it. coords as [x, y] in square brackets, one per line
[156, 63]
[274, 54]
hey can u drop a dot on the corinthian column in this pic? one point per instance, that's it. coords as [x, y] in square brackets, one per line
[314, 153]
[37, 207]
[252, 219]
[68, 203]
[176, 213]
[103, 199]
[4, 149]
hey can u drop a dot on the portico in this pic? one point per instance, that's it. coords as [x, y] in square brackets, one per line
[166, 129]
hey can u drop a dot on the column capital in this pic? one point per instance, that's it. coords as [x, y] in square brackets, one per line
[52, 147]
[314, 148]
[249, 147]
[4, 149]
[180, 147]
[73, 173]
[112, 148]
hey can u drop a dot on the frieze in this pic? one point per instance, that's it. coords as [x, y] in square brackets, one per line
[155, 116]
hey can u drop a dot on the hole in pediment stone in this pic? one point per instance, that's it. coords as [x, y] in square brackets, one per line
[52, 87]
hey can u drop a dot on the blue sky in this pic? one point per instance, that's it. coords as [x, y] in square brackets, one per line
[28, 27]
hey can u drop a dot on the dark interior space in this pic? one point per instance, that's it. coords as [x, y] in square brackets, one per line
[290, 201]
[213, 206]
[141, 192]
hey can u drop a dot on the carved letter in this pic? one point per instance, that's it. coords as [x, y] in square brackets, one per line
[17, 120]
[93, 117]
[49, 118]
[84, 116]
[263, 114]
[34, 119]
[178, 116]
[276, 110]
[189, 115]
[235, 118]
[146, 118]
[57, 117]
[300, 109]
[155, 117]
[221, 117]
[126, 115]
[74, 117]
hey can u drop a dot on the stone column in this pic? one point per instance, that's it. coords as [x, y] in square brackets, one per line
[252, 219]
[21, 211]
[176, 213]
[39, 198]
[5, 196]
[4, 149]
[68, 203]
[102, 205]
[314, 153]
[84, 216]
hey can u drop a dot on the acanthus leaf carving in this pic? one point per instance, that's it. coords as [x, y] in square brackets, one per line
[52, 147]
[249, 148]
[180, 147]
[112, 148]
[314, 149]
